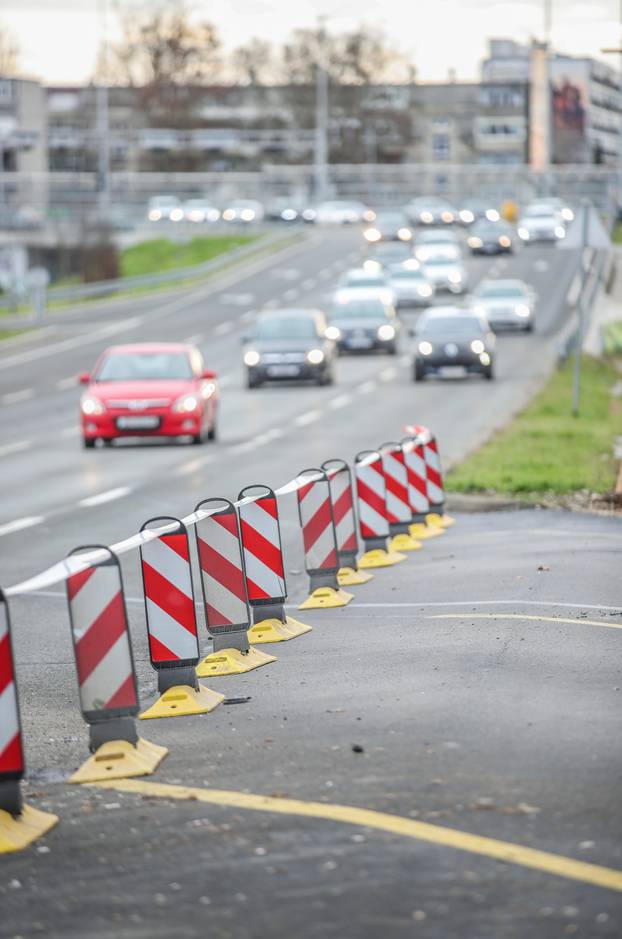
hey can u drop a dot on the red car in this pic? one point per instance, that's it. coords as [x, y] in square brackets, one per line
[149, 390]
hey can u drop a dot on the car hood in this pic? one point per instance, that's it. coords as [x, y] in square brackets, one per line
[141, 390]
[441, 339]
[358, 322]
[498, 303]
[285, 345]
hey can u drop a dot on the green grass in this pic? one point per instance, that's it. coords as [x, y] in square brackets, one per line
[547, 451]
[613, 337]
[617, 234]
[161, 254]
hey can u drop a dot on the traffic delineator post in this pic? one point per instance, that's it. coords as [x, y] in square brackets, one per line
[373, 520]
[434, 477]
[223, 585]
[107, 686]
[399, 512]
[263, 567]
[320, 542]
[172, 624]
[414, 459]
[20, 824]
[340, 483]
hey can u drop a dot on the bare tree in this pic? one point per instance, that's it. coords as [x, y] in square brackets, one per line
[9, 53]
[254, 63]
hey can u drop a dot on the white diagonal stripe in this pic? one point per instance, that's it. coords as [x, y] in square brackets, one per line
[107, 676]
[263, 576]
[218, 596]
[170, 633]
[220, 540]
[377, 523]
[257, 517]
[8, 716]
[372, 479]
[169, 565]
[93, 597]
[313, 500]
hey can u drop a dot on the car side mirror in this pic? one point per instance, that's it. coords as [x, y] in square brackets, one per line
[84, 378]
[209, 373]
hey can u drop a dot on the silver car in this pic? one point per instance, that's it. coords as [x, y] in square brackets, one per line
[541, 222]
[362, 283]
[410, 284]
[437, 243]
[446, 274]
[505, 303]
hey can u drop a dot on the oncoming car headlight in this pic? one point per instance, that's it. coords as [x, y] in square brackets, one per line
[386, 332]
[251, 358]
[560, 231]
[521, 309]
[474, 242]
[455, 277]
[425, 348]
[504, 241]
[333, 333]
[424, 290]
[523, 233]
[477, 346]
[91, 405]
[372, 234]
[315, 356]
[404, 234]
[186, 404]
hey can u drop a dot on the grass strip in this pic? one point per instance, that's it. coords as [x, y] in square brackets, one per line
[547, 451]
[162, 254]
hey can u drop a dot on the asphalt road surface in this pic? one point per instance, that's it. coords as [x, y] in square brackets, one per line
[498, 719]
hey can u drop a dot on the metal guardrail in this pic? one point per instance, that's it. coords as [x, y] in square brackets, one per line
[108, 288]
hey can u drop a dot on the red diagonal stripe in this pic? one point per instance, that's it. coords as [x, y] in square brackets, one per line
[12, 757]
[342, 505]
[371, 498]
[304, 489]
[216, 619]
[160, 652]
[396, 489]
[77, 581]
[100, 637]
[125, 696]
[6, 669]
[228, 521]
[254, 542]
[349, 544]
[269, 506]
[179, 544]
[317, 524]
[255, 592]
[221, 569]
[169, 598]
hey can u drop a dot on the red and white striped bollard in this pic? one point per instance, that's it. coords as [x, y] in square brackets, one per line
[372, 511]
[320, 541]
[340, 482]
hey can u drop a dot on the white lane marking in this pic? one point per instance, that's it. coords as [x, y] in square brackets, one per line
[388, 374]
[248, 317]
[14, 397]
[63, 383]
[285, 273]
[73, 431]
[575, 289]
[325, 274]
[540, 265]
[367, 387]
[223, 328]
[237, 299]
[26, 522]
[274, 434]
[192, 466]
[307, 418]
[84, 339]
[308, 284]
[339, 402]
[271, 304]
[16, 447]
[194, 340]
[291, 294]
[244, 447]
[102, 497]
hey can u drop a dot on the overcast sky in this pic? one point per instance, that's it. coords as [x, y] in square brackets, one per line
[58, 39]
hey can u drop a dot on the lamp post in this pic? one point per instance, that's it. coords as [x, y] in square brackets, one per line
[321, 117]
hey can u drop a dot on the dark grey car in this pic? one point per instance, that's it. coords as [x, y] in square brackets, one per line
[453, 336]
[364, 325]
[289, 345]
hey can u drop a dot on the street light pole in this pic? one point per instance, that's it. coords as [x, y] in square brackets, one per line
[321, 118]
[576, 381]
[103, 122]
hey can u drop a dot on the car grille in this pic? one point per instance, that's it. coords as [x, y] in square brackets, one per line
[138, 404]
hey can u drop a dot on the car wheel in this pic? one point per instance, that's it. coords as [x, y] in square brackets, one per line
[252, 381]
[529, 328]
[88, 442]
[392, 350]
[107, 441]
[419, 372]
[212, 433]
[488, 373]
[197, 439]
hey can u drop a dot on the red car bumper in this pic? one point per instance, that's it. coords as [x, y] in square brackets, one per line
[115, 424]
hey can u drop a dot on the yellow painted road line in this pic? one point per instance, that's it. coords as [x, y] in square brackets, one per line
[524, 616]
[394, 824]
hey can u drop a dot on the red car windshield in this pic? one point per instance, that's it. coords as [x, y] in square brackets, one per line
[145, 366]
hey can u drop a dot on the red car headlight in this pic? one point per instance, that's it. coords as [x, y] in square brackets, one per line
[90, 405]
[186, 404]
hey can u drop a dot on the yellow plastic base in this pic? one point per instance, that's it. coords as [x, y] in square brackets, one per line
[119, 759]
[440, 521]
[404, 542]
[422, 532]
[326, 598]
[273, 630]
[349, 577]
[18, 831]
[232, 662]
[378, 557]
[183, 701]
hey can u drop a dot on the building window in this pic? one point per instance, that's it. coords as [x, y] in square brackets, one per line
[441, 146]
[6, 89]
